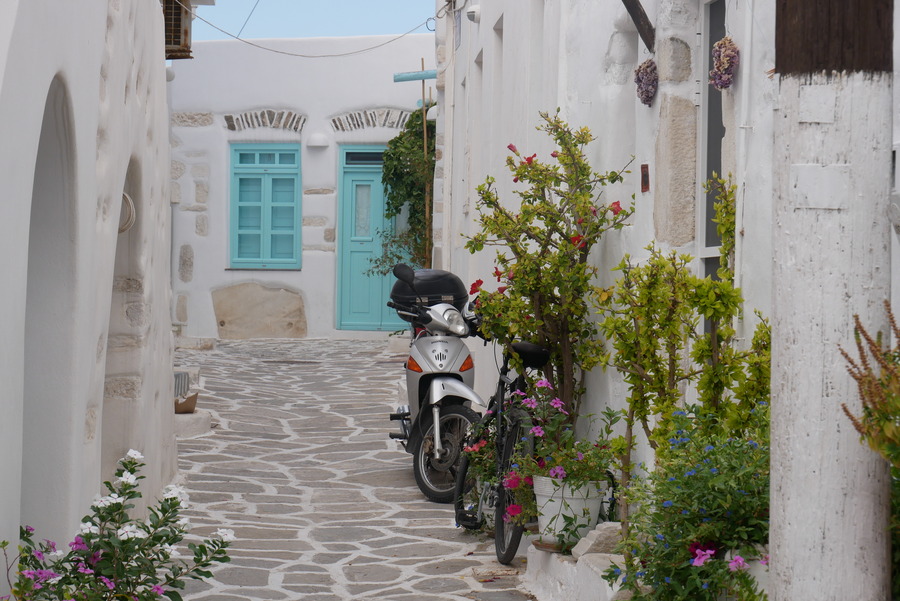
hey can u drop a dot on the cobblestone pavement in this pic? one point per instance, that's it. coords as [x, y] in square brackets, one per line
[323, 504]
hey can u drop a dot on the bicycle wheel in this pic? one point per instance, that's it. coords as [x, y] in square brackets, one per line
[436, 476]
[507, 533]
[467, 498]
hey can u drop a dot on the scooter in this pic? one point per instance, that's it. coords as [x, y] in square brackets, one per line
[440, 375]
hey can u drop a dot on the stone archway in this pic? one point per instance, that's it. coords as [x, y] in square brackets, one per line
[123, 383]
[49, 372]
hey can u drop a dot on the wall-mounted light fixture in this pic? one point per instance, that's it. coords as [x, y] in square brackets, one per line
[317, 140]
[473, 13]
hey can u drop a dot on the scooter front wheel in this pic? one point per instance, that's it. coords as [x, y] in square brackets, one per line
[436, 476]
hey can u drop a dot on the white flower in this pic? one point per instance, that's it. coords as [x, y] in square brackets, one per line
[113, 499]
[132, 454]
[173, 491]
[130, 531]
[225, 534]
[170, 550]
[56, 555]
[89, 528]
[127, 478]
[184, 523]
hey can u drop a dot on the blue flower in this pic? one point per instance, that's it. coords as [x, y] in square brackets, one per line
[672, 479]
[679, 413]
[708, 447]
[617, 571]
[684, 512]
[714, 470]
[667, 503]
[660, 537]
[668, 580]
[753, 444]
[690, 473]
[705, 585]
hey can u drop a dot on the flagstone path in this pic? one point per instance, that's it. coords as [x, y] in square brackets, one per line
[323, 504]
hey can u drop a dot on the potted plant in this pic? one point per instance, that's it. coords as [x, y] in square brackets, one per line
[116, 556]
[557, 478]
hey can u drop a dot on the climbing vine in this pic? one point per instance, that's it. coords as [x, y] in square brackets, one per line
[408, 176]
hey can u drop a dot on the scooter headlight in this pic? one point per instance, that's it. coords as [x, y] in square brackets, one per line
[456, 322]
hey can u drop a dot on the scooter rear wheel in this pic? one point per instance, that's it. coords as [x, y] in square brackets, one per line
[436, 477]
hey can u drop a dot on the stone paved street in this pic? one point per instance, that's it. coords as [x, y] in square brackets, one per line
[323, 504]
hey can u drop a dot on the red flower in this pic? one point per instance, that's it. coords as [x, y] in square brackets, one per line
[554, 154]
[516, 179]
[476, 286]
[616, 208]
[497, 273]
[513, 149]
[530, 159]
[577, 240]
[501, 289]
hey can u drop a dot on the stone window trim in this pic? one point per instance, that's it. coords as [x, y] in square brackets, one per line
[392, 118]
[286, 119]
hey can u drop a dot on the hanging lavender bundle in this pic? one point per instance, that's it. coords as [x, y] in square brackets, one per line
[726, 58]
[647, 80]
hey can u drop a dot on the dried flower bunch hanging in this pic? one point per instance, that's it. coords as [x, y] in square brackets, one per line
[647, 79]
[726, 58]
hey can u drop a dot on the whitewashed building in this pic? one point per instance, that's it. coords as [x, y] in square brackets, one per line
[85, 328]
[811, 156]
[276, 183]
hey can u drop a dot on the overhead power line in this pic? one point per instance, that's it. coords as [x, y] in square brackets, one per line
[297, 54]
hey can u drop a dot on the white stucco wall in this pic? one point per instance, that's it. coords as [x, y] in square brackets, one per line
[81, 364]
[227, 78]
[524, 57]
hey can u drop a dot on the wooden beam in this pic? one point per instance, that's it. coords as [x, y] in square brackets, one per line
[642, 22]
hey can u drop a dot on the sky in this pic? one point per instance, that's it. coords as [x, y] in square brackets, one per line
[311, 18]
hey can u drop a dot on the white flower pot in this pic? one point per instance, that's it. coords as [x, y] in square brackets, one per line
[559, 504]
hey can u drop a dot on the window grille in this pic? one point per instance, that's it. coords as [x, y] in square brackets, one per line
[177, 17]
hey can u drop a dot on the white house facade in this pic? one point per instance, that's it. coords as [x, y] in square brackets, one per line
[85, 328]
[276, 183]
[811, 158]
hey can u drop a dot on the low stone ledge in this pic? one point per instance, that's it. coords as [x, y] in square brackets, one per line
[557, 577]
[188, 425]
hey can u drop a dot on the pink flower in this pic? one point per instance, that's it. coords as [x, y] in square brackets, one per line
[78, 544]
[765, 560]
[157, 589]
[737, 563]
[557, 472]
[512, 480]
[559, 405]
[537, 431]
[616, 207]
[513, 510]
[513, 149]
[530, 403]
[580, 456]
[701, 556]
[109, 583]
[543, 384]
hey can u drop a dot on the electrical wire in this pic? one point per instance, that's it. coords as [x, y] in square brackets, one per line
[247, 20]
[284, 52]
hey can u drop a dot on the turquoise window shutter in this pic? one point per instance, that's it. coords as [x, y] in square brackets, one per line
[266, 213]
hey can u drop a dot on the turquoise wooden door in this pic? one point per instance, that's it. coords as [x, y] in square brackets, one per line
[362, 297]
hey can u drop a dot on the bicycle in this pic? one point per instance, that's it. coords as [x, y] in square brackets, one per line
[475, 499]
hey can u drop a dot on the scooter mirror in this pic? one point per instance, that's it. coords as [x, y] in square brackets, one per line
[405, 274]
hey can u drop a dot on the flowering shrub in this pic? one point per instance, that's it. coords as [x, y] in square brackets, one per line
[726, 58]
[115, 556]
[708, 496]
[547, 290]
[647, 79]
